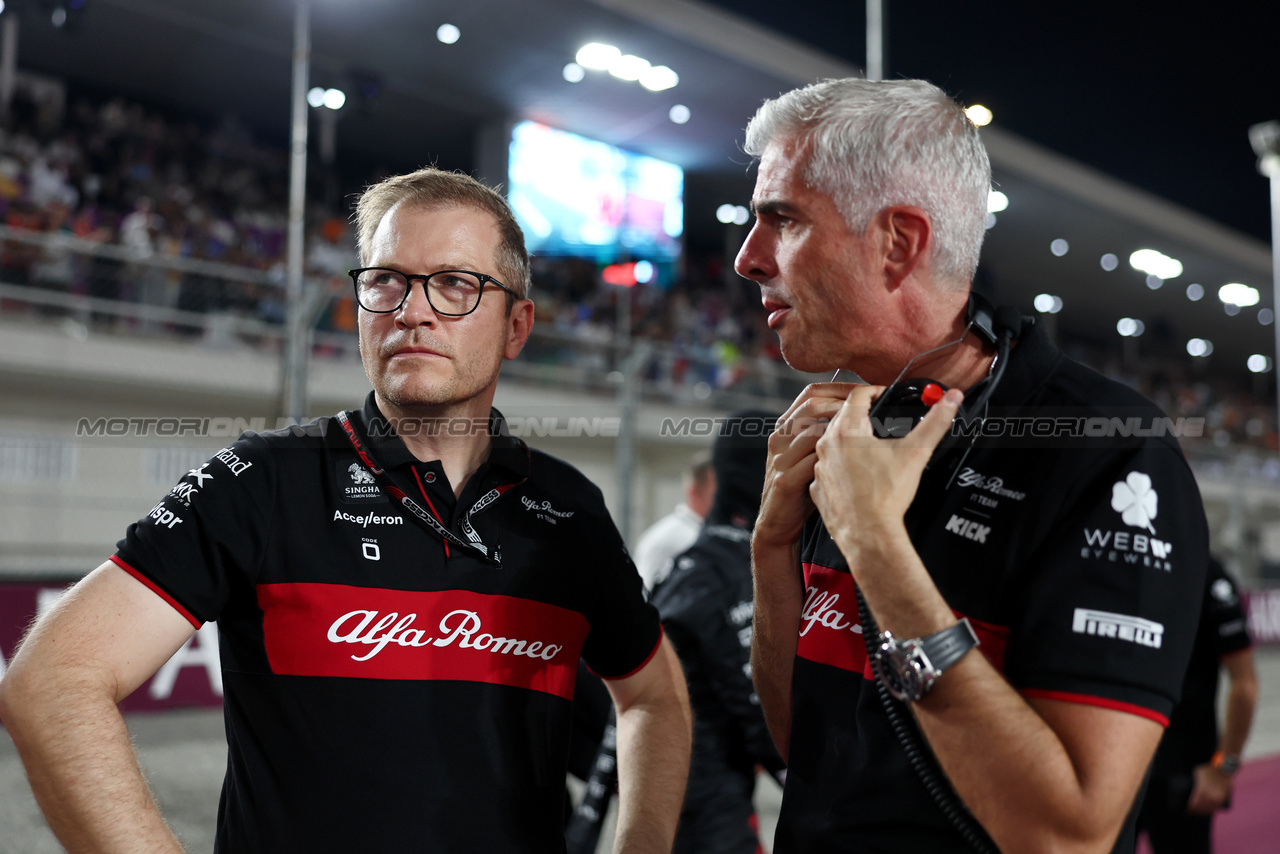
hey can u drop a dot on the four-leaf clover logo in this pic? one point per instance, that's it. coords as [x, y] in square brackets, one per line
[1135, 500]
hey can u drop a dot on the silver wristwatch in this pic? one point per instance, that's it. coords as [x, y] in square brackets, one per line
[909, 667]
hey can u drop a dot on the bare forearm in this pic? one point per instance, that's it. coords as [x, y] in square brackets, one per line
[1237, 717]
[655, 738]
[1005, 759]
[779, 599]
[82, 768]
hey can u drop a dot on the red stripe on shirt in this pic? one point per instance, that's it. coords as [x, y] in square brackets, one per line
[313, 629]
[1101, 702]
[831, 631]
[154, 588]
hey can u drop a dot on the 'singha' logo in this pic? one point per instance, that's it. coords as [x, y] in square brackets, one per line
[360, 475]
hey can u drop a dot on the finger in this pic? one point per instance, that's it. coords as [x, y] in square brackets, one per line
[853, 418]
[936, 423]
[835, 391]
[815, 411]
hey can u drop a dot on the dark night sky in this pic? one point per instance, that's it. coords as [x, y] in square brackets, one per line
[1159, 94]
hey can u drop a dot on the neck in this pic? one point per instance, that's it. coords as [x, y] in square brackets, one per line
[926, 325]
[457, 435]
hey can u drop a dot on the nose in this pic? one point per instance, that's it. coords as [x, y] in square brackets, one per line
[416, 309]
[755, 259]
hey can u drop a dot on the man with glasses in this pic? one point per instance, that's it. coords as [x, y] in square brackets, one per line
[402, 592]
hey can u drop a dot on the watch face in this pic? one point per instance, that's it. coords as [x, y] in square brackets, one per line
[901, 673]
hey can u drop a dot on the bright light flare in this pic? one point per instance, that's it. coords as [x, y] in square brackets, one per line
[979, 115]
[598, 56]
[658, 78]
[1259, 364]
[448, 33]
[679, 114]
[1130, 327]
[1199, 347]
[574, 73]
[1047, 303]
[629, 67]
[1155, 263]
[1238, 294]
[334, 99]
[996, 201]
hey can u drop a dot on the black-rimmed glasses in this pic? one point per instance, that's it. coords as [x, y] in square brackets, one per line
[451, 293]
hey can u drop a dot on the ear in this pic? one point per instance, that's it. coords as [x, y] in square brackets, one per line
[908, 239]
[519, 325]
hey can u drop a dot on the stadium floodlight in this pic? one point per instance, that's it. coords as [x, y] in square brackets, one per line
[979, 115]
[1155, 263]
[658, 78]
[597, 56]
[1237, 294]
[629, 67]
[1130, 327]
[996, 201]
[1199, 347]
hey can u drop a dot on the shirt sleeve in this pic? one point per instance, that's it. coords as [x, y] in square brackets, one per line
[1226, 621]
[207, 533]
[1109, 604]
[625, 630]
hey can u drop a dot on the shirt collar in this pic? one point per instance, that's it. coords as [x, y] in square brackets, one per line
[1032, 361]
[505, 450]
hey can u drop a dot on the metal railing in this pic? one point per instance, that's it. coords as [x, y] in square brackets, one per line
[105, 288]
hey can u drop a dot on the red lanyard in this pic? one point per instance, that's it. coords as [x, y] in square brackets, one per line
[473, 540]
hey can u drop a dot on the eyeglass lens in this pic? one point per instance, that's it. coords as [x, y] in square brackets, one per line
[452, 293]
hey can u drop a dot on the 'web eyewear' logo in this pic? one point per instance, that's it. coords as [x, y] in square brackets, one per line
[1135, 500]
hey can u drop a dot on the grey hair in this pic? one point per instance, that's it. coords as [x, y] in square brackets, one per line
[873, 144]
[431, 189]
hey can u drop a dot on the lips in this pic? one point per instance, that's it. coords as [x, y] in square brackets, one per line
[392, 350]
[777, 311]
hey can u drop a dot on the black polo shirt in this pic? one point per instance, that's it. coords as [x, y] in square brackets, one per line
[1192, 736]
[385, 690]
[1075, 543]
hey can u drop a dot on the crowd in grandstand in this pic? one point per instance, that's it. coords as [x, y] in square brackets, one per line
[121, 174]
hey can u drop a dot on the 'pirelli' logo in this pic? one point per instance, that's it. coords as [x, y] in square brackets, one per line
[1120, 626]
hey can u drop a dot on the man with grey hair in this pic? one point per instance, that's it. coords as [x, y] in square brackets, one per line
[1072, 560]
[402, 591]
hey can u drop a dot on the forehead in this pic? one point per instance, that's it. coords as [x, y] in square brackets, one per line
[780, 176]
[457, 237]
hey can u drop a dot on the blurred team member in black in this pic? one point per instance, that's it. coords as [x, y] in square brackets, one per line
[1191, 776]
[706, 610]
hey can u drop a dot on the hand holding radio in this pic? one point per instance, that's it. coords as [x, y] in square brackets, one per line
[785, 502]
[862, 483]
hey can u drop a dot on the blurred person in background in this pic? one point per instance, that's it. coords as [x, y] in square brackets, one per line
[1192, 773]
[675, 532]
[401, 604]
[705, 605]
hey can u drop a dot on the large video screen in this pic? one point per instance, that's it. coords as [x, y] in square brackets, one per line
[583, 198]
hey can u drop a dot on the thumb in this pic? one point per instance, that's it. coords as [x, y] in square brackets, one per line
[937, 422]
